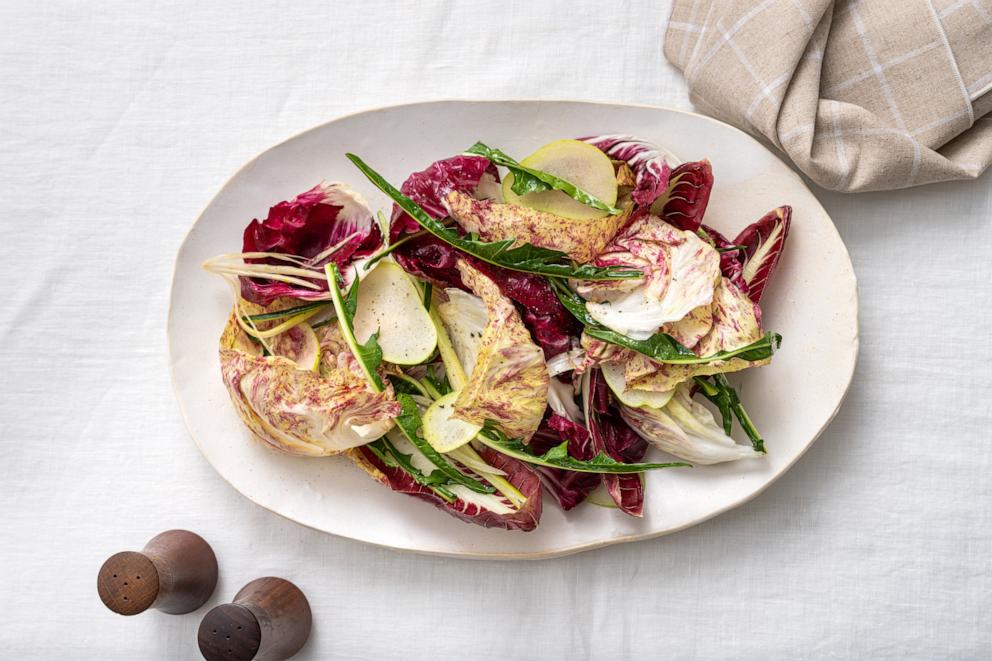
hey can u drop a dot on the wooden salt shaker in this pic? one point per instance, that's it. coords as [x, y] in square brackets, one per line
[268, 620]
[175, 573]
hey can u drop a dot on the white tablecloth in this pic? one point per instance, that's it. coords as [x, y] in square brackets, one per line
[119, 121]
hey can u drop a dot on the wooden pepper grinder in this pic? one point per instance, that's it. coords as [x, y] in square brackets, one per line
[268, 620]
[175, 573]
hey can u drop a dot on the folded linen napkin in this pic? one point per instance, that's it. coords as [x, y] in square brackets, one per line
[861, 95]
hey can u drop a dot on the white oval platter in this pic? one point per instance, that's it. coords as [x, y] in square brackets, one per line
[812, 301]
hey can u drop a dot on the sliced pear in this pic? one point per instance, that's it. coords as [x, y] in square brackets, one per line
[600, 497]
[613, 373]
[444, 432]
[574, 161]
[299, 344]
[389, 302]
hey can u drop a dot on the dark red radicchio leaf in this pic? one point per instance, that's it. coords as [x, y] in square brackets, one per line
[688, 196]
[427, 257]
[431, 259]
[750, 259]
[763, 241]
[326, 216]
[569, 488]
[429, 186]
[731, 264]
[651, 170]
[551, 325]
[517, 473]
[612, 435]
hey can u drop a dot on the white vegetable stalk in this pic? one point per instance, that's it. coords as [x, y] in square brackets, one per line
[565, 362]
[685, 428]
[470, 459]
[561, 399]
[234, 265]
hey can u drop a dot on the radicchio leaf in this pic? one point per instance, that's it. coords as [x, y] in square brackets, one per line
[429, 258]
[686, 201]
[547, 319]
[580, 239]
[731, 265]
[569, 488]
[430, 186]
[762, 243]
[679, 270]
[750, 259]
[736, 323]
[651, 169]
[686, 429]
[299, 411]
[517, 473]
[509, 382]
[611, 434]
[326, 217]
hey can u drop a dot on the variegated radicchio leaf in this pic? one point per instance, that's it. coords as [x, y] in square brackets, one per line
[678, 270]
[328, 223]
[509, 380]
[506, 252]
[302, 411]
[537, 240]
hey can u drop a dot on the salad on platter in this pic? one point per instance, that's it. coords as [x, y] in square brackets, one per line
[560, 324]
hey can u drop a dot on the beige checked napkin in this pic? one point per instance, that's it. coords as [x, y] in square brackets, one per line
[860, 94]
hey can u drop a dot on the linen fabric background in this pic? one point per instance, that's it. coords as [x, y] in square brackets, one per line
[120, 120]
[860, 95]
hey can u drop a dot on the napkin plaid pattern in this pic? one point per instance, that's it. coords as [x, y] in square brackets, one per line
[861, 95]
